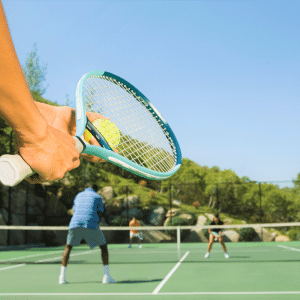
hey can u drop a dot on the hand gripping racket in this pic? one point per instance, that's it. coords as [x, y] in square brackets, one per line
[134, 136]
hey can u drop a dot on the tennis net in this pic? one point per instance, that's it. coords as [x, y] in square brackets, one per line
[256, 242]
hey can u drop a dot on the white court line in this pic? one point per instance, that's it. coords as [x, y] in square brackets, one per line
[170, 274]
[42, 260]
[11, 267]
[33, 255]
[289, 248]
[151, 294]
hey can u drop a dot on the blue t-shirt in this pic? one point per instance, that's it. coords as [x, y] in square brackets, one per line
[85, 208]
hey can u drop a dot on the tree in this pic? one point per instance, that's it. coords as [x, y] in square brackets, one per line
[34, 72]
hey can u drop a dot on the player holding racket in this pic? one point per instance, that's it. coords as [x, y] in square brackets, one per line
[215, 234]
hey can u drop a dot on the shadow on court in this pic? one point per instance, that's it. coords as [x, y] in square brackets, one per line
[139, 281]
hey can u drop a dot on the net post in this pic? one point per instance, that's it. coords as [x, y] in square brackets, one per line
[178, 242]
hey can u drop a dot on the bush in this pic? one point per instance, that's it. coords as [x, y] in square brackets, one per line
[119, 221]
[246, 234]
[294, 234]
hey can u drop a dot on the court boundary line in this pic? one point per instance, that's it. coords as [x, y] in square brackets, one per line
[151, 294]
[162, 283]
[43, 260]
[289, 248]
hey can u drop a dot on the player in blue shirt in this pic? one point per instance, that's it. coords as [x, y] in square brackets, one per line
[84, 225]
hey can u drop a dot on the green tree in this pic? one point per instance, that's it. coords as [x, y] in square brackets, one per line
[35, 72]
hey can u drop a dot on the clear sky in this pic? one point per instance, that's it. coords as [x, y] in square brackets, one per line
[224, 74]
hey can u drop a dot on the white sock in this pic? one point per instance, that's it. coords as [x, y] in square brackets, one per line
[106, 269]
[63, 270]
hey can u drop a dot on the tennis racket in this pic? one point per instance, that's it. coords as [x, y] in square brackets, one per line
[134, 135]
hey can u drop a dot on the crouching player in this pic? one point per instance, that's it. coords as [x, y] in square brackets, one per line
[215, 234]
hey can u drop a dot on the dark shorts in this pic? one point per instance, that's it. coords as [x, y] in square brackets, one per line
[93, 237]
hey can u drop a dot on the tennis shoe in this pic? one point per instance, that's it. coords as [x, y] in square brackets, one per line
[226, 255]
[107, 279]
[140, 246]
[62, 279]
[206, 255]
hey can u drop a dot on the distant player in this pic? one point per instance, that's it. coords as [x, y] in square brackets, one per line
[215, 234]
[135, 233]
[84, 225]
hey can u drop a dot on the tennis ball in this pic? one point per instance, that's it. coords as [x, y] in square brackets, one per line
[108, 129]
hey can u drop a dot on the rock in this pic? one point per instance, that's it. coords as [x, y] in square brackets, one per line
[201, 220]
[230, 236]
[157, 216]
[210, 216]
[107, 193]
[156, 236]
[228, 221]
[264, 235]
[172, 212]
[196, 235]
[281, 238]
[176, 202]
[187, 217]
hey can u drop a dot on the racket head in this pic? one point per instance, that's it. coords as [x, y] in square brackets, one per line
[141, 124]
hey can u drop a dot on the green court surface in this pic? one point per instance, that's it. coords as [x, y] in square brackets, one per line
[254, 271]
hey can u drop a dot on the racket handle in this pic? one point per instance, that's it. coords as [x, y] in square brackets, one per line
[13, 168]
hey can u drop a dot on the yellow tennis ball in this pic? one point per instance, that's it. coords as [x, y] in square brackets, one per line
[108, 129]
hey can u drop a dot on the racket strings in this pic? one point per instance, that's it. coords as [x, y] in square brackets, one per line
[144, 138]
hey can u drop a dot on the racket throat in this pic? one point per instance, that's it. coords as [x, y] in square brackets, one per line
[97, 135]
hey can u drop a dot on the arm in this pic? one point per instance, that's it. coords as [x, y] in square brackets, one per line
[49, 151]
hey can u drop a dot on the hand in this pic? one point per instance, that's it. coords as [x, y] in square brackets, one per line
[63, 118]
[50, 157]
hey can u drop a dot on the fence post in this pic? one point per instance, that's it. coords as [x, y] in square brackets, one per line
[26, 213]
[217, 198]
[9, 193]
[170, 198]
[127, 206]
[259, 189]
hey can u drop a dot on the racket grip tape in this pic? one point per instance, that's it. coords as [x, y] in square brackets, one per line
[14, 169]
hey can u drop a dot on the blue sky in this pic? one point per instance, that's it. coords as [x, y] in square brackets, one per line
[224, 74]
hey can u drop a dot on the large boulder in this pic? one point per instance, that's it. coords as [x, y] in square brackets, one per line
[107, 193]
[264, 235]
[156, 236]
[230, 236]
[157, 216]
[196, 235]
[281, 238]
[131, 201]
[188, 217]
[210, 216]
[172, 212]
[201, 220]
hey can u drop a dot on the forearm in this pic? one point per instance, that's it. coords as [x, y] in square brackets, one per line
[16, 104]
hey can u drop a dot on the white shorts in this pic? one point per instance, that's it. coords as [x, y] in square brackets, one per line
[138, 235]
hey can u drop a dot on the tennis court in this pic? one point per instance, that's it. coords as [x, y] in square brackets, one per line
[254, 270]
